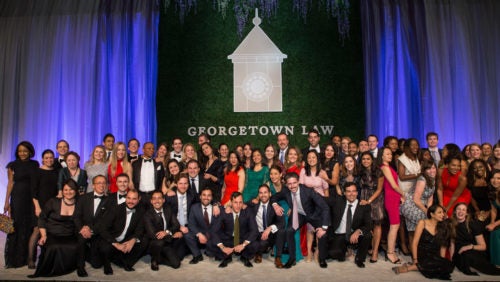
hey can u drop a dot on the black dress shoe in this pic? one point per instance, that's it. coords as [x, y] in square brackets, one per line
[128, 268]
[246, 262]
[154, 265]
[32, 276]
[225, 262]
[289, 264]
[196, 259]
[360, 264]
[108, 270]
[81, 272]
[322, 263]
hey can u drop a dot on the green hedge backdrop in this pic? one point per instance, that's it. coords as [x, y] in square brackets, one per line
[322, 80]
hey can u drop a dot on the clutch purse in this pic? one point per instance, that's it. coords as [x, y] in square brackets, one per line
[6, 224]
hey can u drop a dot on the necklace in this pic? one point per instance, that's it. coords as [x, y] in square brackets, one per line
[68, 204]
[73, 174]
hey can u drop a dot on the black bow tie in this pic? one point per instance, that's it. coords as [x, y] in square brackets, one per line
[133, 157]
[121, 196]
[130, 211]
[148, 160]
[98, 197]
[177, 156]
[61, 160]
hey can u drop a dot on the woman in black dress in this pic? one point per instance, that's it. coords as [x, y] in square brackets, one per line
[213, 170]
[19, 205]
[44, 187]
[58, 234]
[430, 242]
[470, 246]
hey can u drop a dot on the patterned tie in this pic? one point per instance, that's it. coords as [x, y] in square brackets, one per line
[282, 156]
[264, 216]
[295, 212]
[236, 240]
[205, 217]
[181, 211]
[348, 222]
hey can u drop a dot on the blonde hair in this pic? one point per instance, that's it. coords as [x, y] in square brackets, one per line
[113, 160]
[184, 155]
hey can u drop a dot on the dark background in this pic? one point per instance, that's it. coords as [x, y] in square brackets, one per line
[322, 78]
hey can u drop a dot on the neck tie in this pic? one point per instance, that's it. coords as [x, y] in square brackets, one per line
[348, 222]
[236, 240]
[148, 160]
[121, 196]
[162, 221]
[205, 217]
[109, 155]
[98, 196]
[282, 156]
[181, 211]
[295, 212]
[264, 216]
[193, 185]
[177, 156]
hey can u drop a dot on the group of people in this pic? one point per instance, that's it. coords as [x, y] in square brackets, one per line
[440, 206]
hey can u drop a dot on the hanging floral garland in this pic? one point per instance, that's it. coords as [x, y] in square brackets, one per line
[338, 9]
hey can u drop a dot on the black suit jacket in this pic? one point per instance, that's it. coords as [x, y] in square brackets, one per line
[114, 224]
[313, 204]
[84, 211]
[197, 222]
[173, 203]
[153, 222]
[202, 182]
[361, 218]
[113, 199]
[272, 217]
[225, 227]
[136, 173]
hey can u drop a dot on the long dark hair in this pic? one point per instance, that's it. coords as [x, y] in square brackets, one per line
[307, 167]
[471, 176]
[429, 182]
[444, 230]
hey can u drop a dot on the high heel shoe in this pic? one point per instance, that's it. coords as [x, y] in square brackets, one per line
[398, 261]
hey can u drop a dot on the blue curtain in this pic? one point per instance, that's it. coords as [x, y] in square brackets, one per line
[76, 70]
[432, 66]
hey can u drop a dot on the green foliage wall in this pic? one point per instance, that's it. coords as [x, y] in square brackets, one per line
[322, 80]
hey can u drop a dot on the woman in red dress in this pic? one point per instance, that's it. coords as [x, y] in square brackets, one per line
[451, 187]
[118, 164]
[234, 178]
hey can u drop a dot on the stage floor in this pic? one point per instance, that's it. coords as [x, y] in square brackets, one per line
[207, 270]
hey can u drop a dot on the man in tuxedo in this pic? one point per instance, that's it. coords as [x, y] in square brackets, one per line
[202, 222]
[196, 179]
[283, 146]
[122, 234]
[162, 229]
[133, 150]
[271, 226]
[90, 209]
[108, 141]
[373, 146]
[147, 174]
[62, 149]
[313, 139]
[176, 152]
[180, 204]
[306, 206]
[432, 140]
[236, 232]
[351, 225]
[119, 197]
